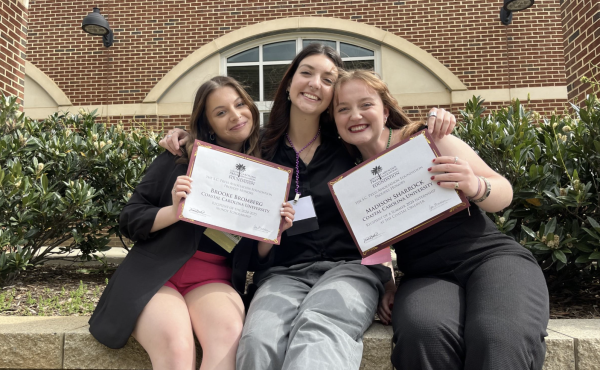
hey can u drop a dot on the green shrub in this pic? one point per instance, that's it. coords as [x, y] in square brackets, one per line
[554, 167]
[63, 183]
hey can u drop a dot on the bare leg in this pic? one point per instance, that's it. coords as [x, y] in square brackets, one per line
[217, 314]
[165, 331]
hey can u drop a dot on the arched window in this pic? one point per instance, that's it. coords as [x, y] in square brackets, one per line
[260, 66]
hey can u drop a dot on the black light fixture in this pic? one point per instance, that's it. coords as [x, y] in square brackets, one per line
[513, 6]
[95, 24]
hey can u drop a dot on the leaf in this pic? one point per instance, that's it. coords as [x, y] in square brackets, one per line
[595, 256]
[534, 201]
[528, 231]
[584, 258]
[559, 255]
[594, 224]
[591, 232]
[550, 227]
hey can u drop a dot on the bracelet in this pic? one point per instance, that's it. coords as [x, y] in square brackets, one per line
[478, 189]
[486, 193]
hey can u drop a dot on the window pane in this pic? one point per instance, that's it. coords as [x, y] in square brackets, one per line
[352, 51]
[245, 56]
[272, 77]
[359, 64]
[248, 77]
[266, 116]
[279, 51]
[307, 42]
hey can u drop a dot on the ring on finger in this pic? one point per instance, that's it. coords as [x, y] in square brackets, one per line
[431, 114]
[456, 185]
[168, 136]
[455, 160]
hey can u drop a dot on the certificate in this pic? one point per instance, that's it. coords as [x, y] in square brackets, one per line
[235, 193]
[390, 197]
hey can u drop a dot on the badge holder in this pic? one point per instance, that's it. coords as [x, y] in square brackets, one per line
[305, 219]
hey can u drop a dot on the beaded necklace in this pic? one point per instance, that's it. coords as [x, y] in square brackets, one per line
[298, 160]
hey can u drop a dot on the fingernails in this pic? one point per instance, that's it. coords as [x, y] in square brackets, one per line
[438, 183]
[433, 160]
[391, 306]
[281, 209]
[429, 169]
[433, 177]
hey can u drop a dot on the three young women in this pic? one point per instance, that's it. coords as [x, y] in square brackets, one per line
[315, 299]
[176, 281]
[471, 297]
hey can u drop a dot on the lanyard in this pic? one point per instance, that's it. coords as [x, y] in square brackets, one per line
[298, 160]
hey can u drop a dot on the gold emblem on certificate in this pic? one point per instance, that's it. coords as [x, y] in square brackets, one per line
[391, 196]
[236, 194]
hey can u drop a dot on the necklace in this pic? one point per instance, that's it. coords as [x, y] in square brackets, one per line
[389, 139]
[298, 160]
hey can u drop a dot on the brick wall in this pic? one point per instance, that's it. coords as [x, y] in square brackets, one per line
[581, 33]
[152, 37]
[13, 47]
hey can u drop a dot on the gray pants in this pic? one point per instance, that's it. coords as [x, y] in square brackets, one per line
[309, 316]
[492, 316]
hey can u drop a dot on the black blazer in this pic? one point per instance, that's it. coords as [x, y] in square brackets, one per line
[155, 257]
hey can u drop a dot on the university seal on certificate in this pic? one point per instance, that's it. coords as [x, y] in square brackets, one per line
[235, 193]
[391, 196]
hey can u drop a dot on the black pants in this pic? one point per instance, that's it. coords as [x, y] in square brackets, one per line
[491, 315]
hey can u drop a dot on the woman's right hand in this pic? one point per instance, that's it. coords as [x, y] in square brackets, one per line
[174, 139]
[181, 189]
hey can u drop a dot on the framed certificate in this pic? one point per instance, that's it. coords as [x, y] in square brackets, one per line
[235, 193]
[391, 196]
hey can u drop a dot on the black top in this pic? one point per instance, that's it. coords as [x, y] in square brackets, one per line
[465, 237]
[155, 256]
[332, 241]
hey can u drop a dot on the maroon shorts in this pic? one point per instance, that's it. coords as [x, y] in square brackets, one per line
[202, 268]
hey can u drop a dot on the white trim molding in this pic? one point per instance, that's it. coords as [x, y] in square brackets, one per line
[306, 24]
[47, 84]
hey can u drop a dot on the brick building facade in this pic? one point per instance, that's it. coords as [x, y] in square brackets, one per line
[13, 47]
[431, 53]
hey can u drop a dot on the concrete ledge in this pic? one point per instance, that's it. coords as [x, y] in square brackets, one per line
[65, 343]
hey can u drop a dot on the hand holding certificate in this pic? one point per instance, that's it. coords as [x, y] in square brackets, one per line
[392, 196]
[235, 193]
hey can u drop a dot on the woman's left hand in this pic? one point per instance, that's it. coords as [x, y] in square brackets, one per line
[384, 310]
[440, 123]
[455, 173]
[287, 213]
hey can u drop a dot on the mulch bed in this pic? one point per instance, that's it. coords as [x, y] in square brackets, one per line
[74, 290]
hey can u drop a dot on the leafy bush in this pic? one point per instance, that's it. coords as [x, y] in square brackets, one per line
[63, 183]
[554, 167]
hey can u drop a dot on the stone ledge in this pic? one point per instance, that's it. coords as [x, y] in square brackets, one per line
[65, 343]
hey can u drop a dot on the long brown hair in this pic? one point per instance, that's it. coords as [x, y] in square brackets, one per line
[279, 118]
[397, 118]
[199, 127]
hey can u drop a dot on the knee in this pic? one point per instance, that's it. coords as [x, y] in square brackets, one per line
[174, 353]
[228, 333]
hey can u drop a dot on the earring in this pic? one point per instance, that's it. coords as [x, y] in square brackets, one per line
[211, 136]
[385, 119]
[288, 94]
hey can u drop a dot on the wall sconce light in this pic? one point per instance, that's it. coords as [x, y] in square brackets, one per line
[95, 24]
[513, 6]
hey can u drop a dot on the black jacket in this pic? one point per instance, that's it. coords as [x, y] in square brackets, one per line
[155, 257]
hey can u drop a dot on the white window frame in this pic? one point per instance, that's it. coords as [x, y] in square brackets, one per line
[265, 106]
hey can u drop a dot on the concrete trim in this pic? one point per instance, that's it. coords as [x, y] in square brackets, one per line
[65, 343]
[47, 84]
[306, 24]
[418, 99]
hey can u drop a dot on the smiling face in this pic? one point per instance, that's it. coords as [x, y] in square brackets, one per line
[311, 88]
[359, 113]
[229, 117]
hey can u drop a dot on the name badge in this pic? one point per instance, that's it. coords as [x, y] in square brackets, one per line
[225, 240]
[305, 219]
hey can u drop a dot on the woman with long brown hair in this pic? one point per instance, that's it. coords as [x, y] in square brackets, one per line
[176, 281]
